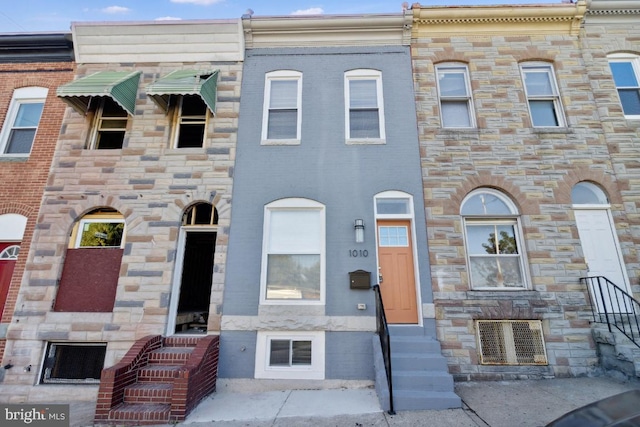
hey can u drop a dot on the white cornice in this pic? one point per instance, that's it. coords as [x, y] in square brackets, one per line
[538, 19]
[326, 30]
[613, 11]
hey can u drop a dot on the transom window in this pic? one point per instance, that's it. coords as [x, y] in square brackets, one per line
[111, 125]
[364, 115]
[493, 241]
[293, 252]
[455, 96]
[587, 193]
[542, 95]
[191, 121]
[625, 70]
[10, 252]
[21, 123]
[282, 107]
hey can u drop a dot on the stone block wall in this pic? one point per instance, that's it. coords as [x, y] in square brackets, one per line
[150, 184]
[536, 168]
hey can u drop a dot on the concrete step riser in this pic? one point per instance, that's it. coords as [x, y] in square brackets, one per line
[424, 403]
[423, 382]
[418, 363]
[404, 346]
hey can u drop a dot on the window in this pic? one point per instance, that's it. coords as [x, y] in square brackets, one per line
[542, 95]
[511, 342]
[21, 123]
[364, 113]
[282, 107]
[493, 241]
[111, 124]
[100, 233]
[293, 257]
[10, 252]
[73, 363]
[191, 121]
[290, 355]
[625, 70]
[455, 96]
[587, 193]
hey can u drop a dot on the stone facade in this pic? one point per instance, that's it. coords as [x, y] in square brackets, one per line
[534, 167]
[151, 184]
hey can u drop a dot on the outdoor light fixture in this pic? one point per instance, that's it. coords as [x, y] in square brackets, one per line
[359, 227]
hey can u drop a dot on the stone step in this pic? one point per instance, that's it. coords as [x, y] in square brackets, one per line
[170, 355]
[417, 362]
[159, 373]
[139, 414]
[422, 380]
[404, 400]
[148, 392]
[412, 344]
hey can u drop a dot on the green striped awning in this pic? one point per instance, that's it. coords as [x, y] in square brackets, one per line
[185, 82]
[121, 86]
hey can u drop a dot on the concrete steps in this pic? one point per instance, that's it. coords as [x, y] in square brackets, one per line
[420, 374]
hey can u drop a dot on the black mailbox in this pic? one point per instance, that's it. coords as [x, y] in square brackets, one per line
[360, 279]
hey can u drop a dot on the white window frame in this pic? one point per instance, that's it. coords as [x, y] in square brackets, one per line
[97, 125]
[635, 63]
[292, 204]
[10, 253]
[281, 75]
[457, 68]
[513, 219]
[181, 119]
[21, 96]
[364, 74]
[115, 218]
[554, 97]
[315, 371]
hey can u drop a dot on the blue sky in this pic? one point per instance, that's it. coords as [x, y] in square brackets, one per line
[56, 15]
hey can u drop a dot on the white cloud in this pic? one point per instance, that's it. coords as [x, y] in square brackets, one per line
[310, 11]
[168, 18]
[115, 9]
[200, 2]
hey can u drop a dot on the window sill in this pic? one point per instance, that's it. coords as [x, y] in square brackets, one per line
[366, 141]
[555, 130]
[280, 142]
[13, 158]
[502, 293]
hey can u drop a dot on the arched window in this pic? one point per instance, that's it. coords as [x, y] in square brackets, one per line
[200, 214]
[587, 193]
[10, 252]
[493, 240]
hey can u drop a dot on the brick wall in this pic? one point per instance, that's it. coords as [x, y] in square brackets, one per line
[23, 180]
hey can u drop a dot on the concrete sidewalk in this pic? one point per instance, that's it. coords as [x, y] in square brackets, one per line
[526, 403]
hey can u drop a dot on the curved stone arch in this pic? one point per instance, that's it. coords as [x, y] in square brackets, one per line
[625, 51]
[499, 183]
[450, 56]
[77, 209]
[533, 54]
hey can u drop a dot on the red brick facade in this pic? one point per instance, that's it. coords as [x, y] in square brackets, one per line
[23, 180]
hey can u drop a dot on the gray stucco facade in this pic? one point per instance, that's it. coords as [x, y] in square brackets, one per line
[342, 177]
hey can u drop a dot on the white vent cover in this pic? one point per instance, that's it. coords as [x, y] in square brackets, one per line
[511, 342]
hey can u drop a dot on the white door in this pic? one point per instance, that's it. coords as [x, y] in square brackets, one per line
[601, 250]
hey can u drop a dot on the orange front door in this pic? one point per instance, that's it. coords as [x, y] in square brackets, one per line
[398, 286]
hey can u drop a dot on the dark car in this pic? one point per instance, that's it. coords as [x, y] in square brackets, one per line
[621, 410]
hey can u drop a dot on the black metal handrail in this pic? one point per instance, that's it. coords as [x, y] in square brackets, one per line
[382, 329]
[612, 305]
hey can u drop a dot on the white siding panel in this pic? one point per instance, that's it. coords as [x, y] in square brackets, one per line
[158, 42]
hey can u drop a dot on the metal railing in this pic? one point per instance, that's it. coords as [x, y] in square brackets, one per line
[612, 305]
[385, 342]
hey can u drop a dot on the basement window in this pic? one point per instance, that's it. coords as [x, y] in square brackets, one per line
[290, 355]
[73, 363]
[511, 342]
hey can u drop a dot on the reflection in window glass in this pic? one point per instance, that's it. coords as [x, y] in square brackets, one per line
[293, 277]
[290, 353]
[101, 234]
[586, 193]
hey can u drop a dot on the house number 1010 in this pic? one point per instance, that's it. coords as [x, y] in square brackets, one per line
[354, 253]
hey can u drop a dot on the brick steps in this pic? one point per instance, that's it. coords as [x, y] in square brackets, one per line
[158, 382]
[137, 414]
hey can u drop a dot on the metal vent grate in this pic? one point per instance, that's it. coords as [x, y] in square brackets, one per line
[511, 342]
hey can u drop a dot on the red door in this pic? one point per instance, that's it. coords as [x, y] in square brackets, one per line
[8, 256]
